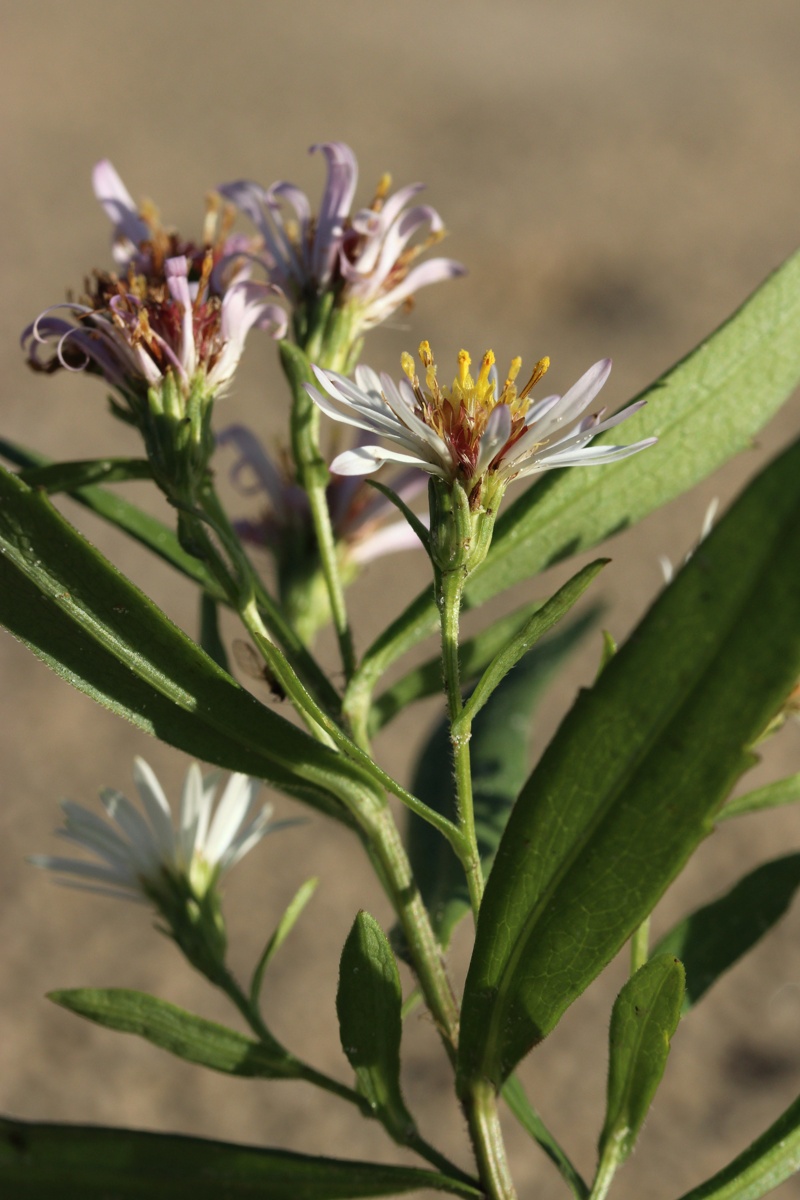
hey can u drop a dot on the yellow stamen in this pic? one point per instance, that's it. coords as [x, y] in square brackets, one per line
[487, 362]
[205, 275]
[513, 372]
[407, 363]
[381, 192]
[425, 354]
[464, 363]
[538, 371]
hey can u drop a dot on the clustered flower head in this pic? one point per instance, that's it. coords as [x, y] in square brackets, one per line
[173, 314]
[473, 427]
[367, 259]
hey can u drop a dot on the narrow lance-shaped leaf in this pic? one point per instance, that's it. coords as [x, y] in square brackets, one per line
[716, 936]
[94, 628]
[284, 928]
[772, 795]
[703, 410]
[475, 654]
[79, 1162]
[762, 1167]
[500, 756]
[368, 1004]
[634, 776]
[643, 1020]
[181, 1033]
[69, 476]
[540, 623]
[139, 525]
[210, 636]
[526, 1114]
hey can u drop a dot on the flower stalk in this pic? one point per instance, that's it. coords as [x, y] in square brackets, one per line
[313, 476]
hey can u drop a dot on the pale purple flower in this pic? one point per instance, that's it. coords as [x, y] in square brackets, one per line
[137, 848]
[368, 257]
[471, 427]
[358, 512]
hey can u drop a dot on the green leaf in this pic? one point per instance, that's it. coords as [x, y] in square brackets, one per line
[784, 791]
[368, 1003]
[422, 531]
[147, 530]
[716, 936]
[284, 928]
[78, 1162]
[69, 476]
[181, 1033]
[704, 410]
[540, 623]
[529, 1119]
[631, 782]
[762, 1167]
[644, 1018]
[210, 636]
[500, 755]
[475, 654]
[95, 629]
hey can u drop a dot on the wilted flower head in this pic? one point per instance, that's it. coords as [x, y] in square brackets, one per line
[141, 853]
[173, 313]
[473, 427]
[368, 259]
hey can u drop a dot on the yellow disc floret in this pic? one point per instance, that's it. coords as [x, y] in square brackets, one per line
[459, 413]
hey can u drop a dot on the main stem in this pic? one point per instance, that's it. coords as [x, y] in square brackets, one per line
[391, 860]
[487, 1140]
[450, 586]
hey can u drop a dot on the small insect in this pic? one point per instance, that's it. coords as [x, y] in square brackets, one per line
[251, 663]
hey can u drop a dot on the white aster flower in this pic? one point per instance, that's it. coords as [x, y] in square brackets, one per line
[472, 427]
[142, 856]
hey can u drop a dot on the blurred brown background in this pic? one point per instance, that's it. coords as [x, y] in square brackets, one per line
[617, 176]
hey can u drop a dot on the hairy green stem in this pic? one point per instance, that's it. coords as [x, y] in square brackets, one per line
[606, 1171]
[449, 587]
[313, 475]
[487, 1140]
[274, 620]
[391, 859]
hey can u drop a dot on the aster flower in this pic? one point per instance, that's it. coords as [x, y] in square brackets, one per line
[367, 260]
[141, 854]
[143, 858]
[168, 314]
[359, 519]
[472, 428]
[166, 332]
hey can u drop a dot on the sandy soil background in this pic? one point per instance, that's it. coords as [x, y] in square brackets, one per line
[617, 176]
